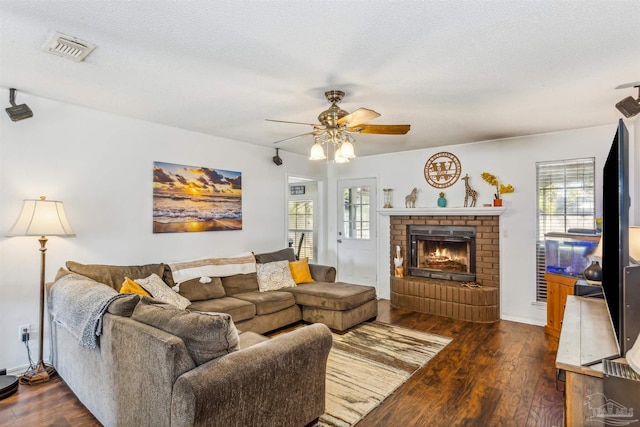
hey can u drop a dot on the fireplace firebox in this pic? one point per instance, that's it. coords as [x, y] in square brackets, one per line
[445, 252]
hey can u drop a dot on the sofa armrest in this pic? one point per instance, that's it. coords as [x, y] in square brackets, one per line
[277, 382]
[323, 273]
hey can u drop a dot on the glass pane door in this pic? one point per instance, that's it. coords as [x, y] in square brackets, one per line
[356, 204]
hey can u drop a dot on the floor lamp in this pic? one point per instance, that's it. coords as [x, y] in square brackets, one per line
[41, 218]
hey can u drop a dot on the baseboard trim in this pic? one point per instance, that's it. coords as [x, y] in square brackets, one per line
[521, 319]
[19, 370]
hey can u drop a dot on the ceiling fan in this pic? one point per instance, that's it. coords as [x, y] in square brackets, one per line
[336, 126]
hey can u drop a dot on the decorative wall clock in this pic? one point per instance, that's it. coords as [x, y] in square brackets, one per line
[442, 170]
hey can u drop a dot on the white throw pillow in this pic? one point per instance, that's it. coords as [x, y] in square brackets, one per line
[275, 275]
[162, 292]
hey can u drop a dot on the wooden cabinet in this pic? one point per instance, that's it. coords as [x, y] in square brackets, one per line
[587, 337]
[558, 287]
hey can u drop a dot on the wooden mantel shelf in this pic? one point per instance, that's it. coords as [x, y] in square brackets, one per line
[488, 211]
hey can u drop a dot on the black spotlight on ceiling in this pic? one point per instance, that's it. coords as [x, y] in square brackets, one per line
[629, 107]
[277, 159]
[17, 112]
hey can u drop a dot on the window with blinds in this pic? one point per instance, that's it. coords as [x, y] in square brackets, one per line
[566, 200]
[301, 221]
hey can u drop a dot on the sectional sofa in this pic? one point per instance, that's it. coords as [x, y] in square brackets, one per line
[156, 364]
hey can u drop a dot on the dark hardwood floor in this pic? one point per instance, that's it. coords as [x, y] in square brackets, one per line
[499, 374]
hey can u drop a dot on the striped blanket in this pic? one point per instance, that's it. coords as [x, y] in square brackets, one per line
[213, 267]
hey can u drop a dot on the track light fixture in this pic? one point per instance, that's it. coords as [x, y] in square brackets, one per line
[17, 112]
[277, 159]
[629, 106]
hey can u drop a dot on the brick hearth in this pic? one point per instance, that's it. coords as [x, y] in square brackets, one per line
[448, 298]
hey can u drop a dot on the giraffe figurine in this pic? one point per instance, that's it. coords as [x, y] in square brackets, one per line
[469, 192]
[410, 200]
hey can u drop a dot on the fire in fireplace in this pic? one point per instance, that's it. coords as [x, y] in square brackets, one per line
[442, 252]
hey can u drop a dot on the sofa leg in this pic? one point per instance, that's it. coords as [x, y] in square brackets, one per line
[313, 423]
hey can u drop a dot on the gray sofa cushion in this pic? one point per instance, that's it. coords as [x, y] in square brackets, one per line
[268, 302]
[194, 290]
[322, 273]
[238, 309]
[240, 283]
[332, 296]
[206, 335]
[113, 275]
[124, 306]
[286, 254]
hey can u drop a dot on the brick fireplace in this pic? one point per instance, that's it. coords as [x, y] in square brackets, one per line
[475, 301]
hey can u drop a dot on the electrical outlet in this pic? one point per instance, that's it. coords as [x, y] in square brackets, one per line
[24, 332]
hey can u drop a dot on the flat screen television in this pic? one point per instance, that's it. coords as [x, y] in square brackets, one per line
[615, 241]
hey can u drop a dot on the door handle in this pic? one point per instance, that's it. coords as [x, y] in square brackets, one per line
[339, 240]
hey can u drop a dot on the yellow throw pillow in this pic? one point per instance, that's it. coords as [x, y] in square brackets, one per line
[131, 287]
[300, 271]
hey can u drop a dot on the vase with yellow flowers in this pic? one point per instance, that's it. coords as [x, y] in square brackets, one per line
[500, 188]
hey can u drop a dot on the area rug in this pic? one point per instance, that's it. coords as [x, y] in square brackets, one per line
[368, 363]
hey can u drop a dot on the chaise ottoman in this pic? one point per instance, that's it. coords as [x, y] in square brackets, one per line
[338, 305]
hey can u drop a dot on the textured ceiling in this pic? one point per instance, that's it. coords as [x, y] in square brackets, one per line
[457, 71]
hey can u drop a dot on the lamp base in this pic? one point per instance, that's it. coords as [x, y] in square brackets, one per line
[41, 374]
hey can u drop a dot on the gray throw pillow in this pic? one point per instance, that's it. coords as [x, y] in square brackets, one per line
[240, 284]
[285, 254]
[113, 275]
[124, 306]
[206, 335]
[196, 290]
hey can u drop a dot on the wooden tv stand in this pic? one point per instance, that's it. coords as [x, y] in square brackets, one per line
[587, 336]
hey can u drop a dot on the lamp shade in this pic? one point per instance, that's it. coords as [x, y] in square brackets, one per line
[338, 157]
[347, 150]
[42, 218]
[317, 152]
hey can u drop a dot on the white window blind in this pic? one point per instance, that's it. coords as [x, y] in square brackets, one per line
[301, 221]
[566, 200]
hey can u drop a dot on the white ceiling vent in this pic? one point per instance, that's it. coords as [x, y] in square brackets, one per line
[68, 47]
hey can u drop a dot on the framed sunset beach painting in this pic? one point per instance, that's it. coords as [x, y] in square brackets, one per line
[194, 198]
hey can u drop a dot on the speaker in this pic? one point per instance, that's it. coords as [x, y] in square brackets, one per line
[629, 106]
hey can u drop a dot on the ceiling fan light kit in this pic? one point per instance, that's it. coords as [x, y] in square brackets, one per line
[337, 125]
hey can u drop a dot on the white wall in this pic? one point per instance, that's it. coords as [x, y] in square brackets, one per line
[513, 161]
[101, 166]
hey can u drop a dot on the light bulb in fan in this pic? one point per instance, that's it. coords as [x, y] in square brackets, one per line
[317, 152]
[346, 148]
[339, 157]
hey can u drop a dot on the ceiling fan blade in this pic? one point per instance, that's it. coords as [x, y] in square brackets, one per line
[293, 137]
[295, 123]
[627, 85]
[381, 129]
[361, 115]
